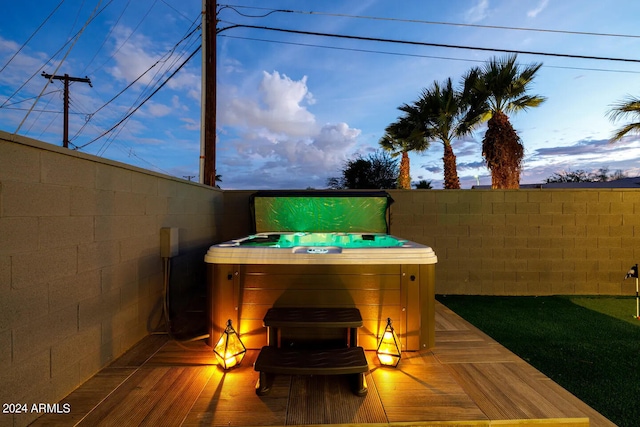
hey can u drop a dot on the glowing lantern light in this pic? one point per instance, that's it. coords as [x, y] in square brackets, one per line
[229, 350]
[389, 348]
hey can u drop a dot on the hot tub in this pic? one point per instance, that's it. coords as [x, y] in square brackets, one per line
[382, 275]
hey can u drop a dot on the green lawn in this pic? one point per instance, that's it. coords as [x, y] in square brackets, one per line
[588, 345]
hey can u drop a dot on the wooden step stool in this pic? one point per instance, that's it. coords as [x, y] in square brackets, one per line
[348, 360]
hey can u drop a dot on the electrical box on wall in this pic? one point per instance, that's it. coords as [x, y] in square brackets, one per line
[169, 242]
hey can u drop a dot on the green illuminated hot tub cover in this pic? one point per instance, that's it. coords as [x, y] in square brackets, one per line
[321, 211]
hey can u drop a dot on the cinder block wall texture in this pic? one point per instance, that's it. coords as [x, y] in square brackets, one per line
[527, 241]
[516, 242]
[81, 271]
[80, 267]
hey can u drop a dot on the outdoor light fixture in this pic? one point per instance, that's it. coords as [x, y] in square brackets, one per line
[389, 347]
[229, 350]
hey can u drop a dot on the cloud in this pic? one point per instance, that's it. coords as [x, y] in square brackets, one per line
[463, 166]
[586, 154]
[18, 67]
[283, 95]
[432, 168]
[279, 108]
[279, 137]
[8, 46]
[596, 147]
[133, 55]
[478, 12]
[541, 6]
[190, 124]
[590, 155]
[185, 79]
[313, 155]
[158, 110]
[231, 66]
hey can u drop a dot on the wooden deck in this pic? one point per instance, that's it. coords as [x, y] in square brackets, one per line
[466, 380]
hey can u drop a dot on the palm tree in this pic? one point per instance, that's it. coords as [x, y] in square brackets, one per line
[500, 87]
[402, 137]
[379, 170]
[447, 114]
[629, 107]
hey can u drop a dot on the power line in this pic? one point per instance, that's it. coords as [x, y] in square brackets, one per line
[144, 101]
[70, 40]
[175, 10]
[50, 78]
[31, 36]
[442, 45]
[418, 21]
[129, 36]
[36, 120]
[29, 99]
[42, 111]
[221, 7]
[164, 58]
[46, 128]
[160, 73]
[415, 55]
[173, 57]
[105, 38]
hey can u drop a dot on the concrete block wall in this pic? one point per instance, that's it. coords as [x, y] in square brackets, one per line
[236, 215]
[80, 268]
[527, 241]
[513, 242]
[81, 273]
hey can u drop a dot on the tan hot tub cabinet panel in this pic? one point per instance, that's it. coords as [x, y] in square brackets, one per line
[404, 292]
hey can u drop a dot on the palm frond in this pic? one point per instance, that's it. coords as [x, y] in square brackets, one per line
[630, 106]
[624, 131]
[525, 102]
[627, 108]
[504, 84]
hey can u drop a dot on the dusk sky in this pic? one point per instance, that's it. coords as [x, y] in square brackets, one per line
[293, 108]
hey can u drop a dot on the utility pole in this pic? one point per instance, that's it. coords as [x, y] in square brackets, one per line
[66, 79]
[208, 149]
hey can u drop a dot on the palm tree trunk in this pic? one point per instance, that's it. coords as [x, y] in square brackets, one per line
[404, 178]
[451, 180]
[503, 152]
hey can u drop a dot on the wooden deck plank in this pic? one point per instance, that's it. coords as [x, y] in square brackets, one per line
[503, 385]
[150, 394]
[176, 401]
[86, 397]
[475, 355]
[466, 380]
[436, 410]
[183, 354]
[330, 400]
[229, 397]
[421, 389]
[141, 352]
[498, 396]
[115, 407]
[575, 407]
